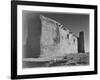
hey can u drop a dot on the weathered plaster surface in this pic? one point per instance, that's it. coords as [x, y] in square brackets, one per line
[56, 40]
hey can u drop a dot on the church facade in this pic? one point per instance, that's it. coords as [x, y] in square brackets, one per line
[56, 40]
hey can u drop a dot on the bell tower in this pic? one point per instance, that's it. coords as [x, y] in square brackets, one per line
[81, 42]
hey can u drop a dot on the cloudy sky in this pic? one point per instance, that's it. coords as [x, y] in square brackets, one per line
[32, 28]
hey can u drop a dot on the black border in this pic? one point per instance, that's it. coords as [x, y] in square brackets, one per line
[14, 39]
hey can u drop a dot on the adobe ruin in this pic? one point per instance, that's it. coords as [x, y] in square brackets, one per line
[56, 40]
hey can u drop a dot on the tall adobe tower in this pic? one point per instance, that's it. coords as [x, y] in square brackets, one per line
[81, 42]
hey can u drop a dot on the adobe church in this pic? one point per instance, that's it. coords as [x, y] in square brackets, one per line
[56, 40]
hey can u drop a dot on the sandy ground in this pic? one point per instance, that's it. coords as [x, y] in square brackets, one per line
[79, 59]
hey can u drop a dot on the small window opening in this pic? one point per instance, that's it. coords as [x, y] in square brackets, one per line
[74, 40]
[68, 36]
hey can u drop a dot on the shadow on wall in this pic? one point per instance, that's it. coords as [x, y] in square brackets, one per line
[32, 47]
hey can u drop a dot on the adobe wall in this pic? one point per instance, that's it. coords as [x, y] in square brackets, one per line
[56, 40]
